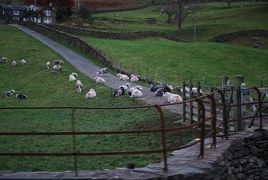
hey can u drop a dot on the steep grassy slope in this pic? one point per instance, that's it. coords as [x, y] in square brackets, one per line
[47, 89]
[171, 61]
[211, 20]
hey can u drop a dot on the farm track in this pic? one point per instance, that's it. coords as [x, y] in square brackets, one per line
[89, 69]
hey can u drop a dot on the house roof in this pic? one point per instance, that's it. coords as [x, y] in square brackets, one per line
[39, 8]
[13, 6]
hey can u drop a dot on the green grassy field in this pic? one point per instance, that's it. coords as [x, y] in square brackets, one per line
[172, 62]
[47, 89]
[211, 20]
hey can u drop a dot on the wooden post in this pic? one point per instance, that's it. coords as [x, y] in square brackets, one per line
[239, 125]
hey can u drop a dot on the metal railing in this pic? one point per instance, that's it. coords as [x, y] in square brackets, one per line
[215, 110]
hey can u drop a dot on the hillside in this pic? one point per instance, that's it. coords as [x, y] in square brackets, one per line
[173, 62]
[111, 4]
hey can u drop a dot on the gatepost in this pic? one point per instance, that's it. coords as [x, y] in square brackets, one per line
[239, 125]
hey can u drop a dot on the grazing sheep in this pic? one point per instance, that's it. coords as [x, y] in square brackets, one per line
[123, 77]
[134, 88]
[103, 71]
[58, 62]
[125, 86]
[74, 74]
[23, 62]
[136, 93]
[72, 78]
[134, 78]
[119, 92]
[13, 63]
[57, 69]
[160, 89]
[79, 86]
[48, 65]
[172, 98]
[163, 90]
[9, 93]
[154, 87]
[3, 60]
[91, 94]
[21, 96]
[99, 80]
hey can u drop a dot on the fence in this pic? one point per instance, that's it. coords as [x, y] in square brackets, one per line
[214, 110]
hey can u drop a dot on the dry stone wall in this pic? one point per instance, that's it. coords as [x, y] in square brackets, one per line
[245, 159]
[116, 35]
[239, 34]
[82, 45]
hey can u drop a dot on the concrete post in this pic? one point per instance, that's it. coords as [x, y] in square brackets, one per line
[239, 125]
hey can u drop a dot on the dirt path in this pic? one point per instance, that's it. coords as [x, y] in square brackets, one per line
[88, 68]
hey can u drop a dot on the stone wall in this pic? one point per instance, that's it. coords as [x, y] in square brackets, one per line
[116, 35]
[120, 10]
[245, 159]
[80, 44]
[239, 34]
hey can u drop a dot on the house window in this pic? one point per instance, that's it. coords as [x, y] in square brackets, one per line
[48, 13]
[16, 12]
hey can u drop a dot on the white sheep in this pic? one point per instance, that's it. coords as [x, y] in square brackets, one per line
[79, 86]
[123, 77]
[57, 69]
[91, 94]
[172, 98]
[134, 78]
[23, 62]
[130, 91]
[48, 65]
[58, 62]
[103, 71]
[71, 78]
[125, 86]
[3, 60]
[74, 74]
[136, 93]
[13, 63]
[99, 80]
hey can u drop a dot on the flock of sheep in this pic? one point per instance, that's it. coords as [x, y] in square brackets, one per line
[12, 92]
[133, 92]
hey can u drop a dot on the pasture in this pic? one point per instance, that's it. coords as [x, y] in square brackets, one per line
[44, 88]
[211, 20]
[173, 62]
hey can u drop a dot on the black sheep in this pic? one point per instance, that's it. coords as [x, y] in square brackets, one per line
[21, 96]
[119, 92]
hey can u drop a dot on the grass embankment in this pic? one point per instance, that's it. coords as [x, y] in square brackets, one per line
[211, 20]
[47, 89]
[172, 62]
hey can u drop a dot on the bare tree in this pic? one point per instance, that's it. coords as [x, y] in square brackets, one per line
[179, 9]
